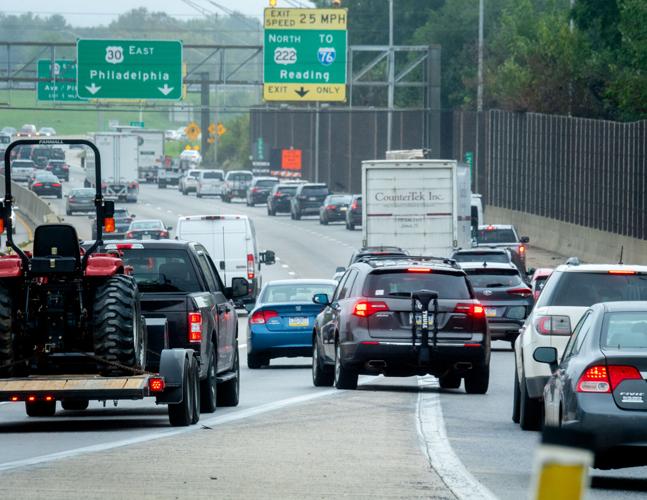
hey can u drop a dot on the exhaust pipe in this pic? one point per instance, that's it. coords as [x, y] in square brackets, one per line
[463, 366]
[376, 364]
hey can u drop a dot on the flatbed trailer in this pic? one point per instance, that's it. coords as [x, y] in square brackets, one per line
[176, 384]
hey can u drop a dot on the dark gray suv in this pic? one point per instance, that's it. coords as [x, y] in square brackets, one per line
[369, 326]
[307, 200]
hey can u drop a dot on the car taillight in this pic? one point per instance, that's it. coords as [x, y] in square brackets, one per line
[553, 325]
[195, 326]
[130, 234]
[254, 190]
[48, 167]
[622, 272]
[535, 294]
[419, 270]
[473, 310]
[330, 207]
[66, 167]
[250, 266]
[133, 185]
[56, 184]
[164, 234]
[353, 205]
[156, 384]
[524, 292]
[72, 198]
[600, 378]
[365, 308]
[37, 184]
[262, 317]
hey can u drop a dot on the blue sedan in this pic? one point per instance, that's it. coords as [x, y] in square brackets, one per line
[281, 323]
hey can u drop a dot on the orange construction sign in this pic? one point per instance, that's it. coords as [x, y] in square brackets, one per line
[291, 159]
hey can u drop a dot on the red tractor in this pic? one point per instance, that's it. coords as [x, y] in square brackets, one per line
[63, 310]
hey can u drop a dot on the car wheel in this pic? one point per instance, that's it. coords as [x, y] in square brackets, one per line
[515, 399]
[291, 215]
[229, 391]
[477, 380]
[198, 195]
[297, 215]
[208, 386]
[322, 375]
[254, 361]
[344, 377]
[351, 227]
[449, 381]
[529, 409]
[68, 212]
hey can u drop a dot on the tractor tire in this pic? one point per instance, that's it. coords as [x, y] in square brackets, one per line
[119, 335]
[7, 352]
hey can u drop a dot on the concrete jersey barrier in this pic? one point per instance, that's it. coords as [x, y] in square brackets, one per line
[34, 208]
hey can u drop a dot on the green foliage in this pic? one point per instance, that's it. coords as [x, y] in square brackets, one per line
[234, 146]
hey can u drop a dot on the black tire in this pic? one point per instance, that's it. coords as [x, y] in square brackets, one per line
[229, 391]
[209, 386]
[529, 409]
[7, 348]
[195, 390]
[119, 335]
[297, 215]
[516, 399]
[322, 375]
[75, 404]
[477, 380]
[181, 414]
[344, 377]
[271, 212]
[198, 195]
[59, 195]
[449, 381]
[68, 212]
[161, 186]
[292, 215]
[40, 408]
[185, 192]
[254, 361]
[351, 226]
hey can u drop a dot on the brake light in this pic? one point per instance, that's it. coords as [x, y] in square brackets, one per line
[330, 207]
[195, 326]
[594, 379]
[109, 225]
[365, 308]
[163, 234]
[489, 228]
[254, 190]
[473, 310]
[1, 225]
[130, 234]
[523, 292]
[522, 249]
[250, 266]
[156, 384]
[125, 246]
[353, 205]
[133, 185]
[553, 325]
[56, 184]
[262, 317]
[419, 270]
[622, 272]
[37, 184]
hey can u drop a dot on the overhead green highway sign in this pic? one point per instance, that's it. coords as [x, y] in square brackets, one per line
[57, 82]
[129, 69]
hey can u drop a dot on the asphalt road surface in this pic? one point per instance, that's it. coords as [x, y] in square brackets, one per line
[480, 434]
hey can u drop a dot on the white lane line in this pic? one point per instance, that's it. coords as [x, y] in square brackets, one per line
[210, 422]
[435, 445]
[292, 273]
[159, 208]
[169, 211]
[284, 266]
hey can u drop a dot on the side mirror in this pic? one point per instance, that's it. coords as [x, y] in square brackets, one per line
[340, 270]
[169, 228]
[321, 299]
[547, 355]
[268, 257]
[524, 239]
[133, 215]
[239, 288]
[531, 271]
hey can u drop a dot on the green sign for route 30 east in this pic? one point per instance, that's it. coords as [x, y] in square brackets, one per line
[129, 69]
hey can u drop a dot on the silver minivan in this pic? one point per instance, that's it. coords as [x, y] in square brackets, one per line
[210, 183]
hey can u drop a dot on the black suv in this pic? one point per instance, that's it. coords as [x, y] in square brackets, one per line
[260, 189]
[307, 200]
[369, 326]
[354, 214]
[279, 198]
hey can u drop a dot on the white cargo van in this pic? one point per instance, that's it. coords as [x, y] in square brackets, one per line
[231, 243]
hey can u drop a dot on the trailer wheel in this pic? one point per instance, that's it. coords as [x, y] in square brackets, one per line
[75, 404]
[181, 414]
[40, 408]
[228, 392]
[7, 353]
[119, 335]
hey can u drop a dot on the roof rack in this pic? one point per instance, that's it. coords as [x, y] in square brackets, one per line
[376, 260]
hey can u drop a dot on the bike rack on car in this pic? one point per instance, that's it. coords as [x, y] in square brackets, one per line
[421, 300]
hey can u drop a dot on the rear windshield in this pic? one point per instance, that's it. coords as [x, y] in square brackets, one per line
[581, 289]
[403, 283]
[146, 224]
[161, 270]
[339, 200]
[286, 189]
[40, 152]
[57, 163]
[5, 139]
[83, 193]
[500, 258]
[213, 175]
[315, 191]
[494, 236]
[240, 176]
[23, 163]
[498, 278]
[540, 283]
[266, 183]
[195, 175]
[121, 213]
[294, 292]
[625, 330]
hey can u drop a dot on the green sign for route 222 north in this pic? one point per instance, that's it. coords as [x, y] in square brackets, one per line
[129, 69]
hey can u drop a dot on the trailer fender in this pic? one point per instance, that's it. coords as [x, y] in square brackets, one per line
[172, 363]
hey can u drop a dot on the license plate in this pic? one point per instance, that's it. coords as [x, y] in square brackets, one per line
[298, 322]
[490, 312]
[312, 198]
[430, 318]
[343, 209]
[146, 236]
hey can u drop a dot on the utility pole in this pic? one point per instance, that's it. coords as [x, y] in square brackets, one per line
[479, 92]
[391, 88]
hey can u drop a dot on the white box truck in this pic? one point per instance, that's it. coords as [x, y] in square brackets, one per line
[420, 205]
[151, 150]
[118, 166]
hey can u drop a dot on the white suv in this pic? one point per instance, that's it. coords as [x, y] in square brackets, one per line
[568, 293]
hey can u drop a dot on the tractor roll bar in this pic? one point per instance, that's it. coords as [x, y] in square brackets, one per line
[8, 199]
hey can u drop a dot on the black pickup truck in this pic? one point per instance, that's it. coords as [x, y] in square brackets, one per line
[181, 289]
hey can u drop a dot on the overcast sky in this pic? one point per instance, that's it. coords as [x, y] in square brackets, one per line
[95, 12]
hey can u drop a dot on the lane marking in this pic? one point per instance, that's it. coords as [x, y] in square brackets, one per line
[211, 422]
[284, 266]
[292, 273]
[435, 444]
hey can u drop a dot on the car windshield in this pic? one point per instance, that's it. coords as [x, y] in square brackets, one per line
[297, 292]
[583, 289]
[314, 191]
[213, 175]
[146, 224]
[495, 236]
[625, 330]
[403, 283]
[493, 278]
[498, 257]
[161, 270]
